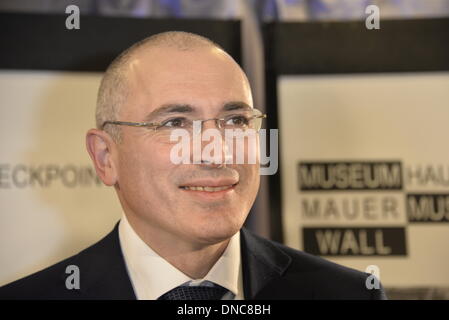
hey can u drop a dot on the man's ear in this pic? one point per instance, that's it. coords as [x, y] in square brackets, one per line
[99, 145]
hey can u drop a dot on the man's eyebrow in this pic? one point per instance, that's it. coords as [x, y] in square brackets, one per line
[236, 105]
[168, 109]
[186, 108]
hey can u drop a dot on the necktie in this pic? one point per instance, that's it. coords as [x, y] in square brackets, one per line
[194, 293]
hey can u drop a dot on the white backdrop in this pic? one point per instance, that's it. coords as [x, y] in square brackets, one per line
[387, 120]
[51, 204]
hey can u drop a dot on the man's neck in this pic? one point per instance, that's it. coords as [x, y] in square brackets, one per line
[197, 263]
[193, 259]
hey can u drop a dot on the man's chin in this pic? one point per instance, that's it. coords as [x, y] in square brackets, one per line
[215, 234]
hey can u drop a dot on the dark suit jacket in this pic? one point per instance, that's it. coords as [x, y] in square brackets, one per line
[270, 271]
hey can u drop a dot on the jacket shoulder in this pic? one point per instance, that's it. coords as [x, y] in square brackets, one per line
[312, 277]
[50, 283]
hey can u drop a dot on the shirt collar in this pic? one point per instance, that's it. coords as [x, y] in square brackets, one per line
[152, 276]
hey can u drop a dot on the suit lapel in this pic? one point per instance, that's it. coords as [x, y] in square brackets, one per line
[103, 270]
[262, 263]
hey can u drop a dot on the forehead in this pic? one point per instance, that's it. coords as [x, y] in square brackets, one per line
[206, 78]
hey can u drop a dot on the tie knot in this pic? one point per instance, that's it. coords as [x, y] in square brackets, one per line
[214, 292]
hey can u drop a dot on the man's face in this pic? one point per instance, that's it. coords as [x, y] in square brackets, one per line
[151, 188]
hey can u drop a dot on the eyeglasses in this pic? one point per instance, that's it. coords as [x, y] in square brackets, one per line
[242, 120]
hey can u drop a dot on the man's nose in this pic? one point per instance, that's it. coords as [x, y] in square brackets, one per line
[214, 150]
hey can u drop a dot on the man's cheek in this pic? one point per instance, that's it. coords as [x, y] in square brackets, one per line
[162, 158]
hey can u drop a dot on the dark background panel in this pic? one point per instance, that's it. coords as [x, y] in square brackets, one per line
[42, 42]
[349, 47]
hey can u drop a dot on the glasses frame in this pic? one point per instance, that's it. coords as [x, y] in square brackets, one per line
[156, 125]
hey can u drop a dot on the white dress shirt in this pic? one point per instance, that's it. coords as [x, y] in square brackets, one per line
[152, 276]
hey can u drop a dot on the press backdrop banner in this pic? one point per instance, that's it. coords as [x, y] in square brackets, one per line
[365, 172]
[52, 204]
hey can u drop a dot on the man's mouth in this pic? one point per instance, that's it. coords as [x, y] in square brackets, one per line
[208, 188]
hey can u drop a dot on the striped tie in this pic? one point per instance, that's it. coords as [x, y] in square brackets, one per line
[215, 292]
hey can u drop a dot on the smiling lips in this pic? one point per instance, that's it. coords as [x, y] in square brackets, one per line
[209, 185]
[208, 189]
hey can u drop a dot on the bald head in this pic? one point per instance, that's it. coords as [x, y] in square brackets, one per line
[114, 88]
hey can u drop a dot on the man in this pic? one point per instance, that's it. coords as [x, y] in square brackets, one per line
[181, 234]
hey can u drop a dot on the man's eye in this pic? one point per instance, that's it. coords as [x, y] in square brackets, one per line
[237, 121]
[174, 123]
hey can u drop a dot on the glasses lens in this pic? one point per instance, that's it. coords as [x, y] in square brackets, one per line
[174, 129]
